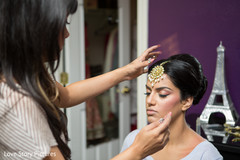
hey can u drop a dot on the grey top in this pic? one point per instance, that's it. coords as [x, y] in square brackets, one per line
[203, 151]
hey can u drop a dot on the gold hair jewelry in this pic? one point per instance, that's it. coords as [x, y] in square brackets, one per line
[156, 73]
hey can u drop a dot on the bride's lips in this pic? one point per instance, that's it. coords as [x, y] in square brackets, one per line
[150, 112]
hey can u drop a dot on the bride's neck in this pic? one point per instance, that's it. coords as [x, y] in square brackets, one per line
[178, 131]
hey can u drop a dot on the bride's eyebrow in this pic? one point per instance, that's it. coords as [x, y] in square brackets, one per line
[147, 87]
[158, 89]
[161, 88]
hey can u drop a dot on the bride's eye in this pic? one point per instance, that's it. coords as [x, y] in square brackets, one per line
[147, 93]
[163, 95]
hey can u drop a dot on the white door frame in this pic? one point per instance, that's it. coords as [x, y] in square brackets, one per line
[142, 45]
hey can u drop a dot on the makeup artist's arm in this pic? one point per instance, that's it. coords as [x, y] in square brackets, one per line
[80, 91]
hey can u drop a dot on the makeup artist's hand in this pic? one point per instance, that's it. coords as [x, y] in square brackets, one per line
[136, 67]
[149, 140]
[153, 137]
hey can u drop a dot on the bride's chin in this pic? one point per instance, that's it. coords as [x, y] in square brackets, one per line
[151, 119]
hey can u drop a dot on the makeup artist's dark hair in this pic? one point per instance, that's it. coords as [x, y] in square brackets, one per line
[186, 73]
[29, 36]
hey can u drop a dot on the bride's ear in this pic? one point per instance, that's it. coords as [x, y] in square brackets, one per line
[187, 103]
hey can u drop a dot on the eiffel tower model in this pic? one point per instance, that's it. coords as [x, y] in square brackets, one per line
[219, 102]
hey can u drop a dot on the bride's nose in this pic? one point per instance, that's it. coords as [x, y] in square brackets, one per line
[150, 100]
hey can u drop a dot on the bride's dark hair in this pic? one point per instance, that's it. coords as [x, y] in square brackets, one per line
[186, 73]
[29, 36]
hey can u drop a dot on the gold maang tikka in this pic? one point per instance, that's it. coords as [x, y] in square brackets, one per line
[156, 73]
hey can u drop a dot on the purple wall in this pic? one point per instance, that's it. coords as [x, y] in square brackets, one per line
[197, 27]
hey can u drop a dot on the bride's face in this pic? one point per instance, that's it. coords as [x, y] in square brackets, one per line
[162, 98]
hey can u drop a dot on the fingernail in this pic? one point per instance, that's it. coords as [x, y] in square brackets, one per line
[168, 115]
[149, 60]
